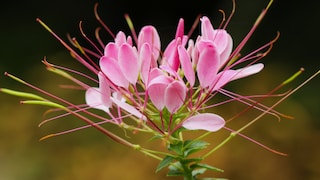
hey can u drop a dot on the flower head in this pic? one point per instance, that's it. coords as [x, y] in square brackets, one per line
[179, 80]
[145, 86]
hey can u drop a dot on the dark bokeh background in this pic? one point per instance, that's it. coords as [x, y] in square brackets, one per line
[89, 155]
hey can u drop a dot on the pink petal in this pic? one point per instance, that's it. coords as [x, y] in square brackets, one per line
[207, 31]
[229, 75]
[170, 54]
[93, 99]
[120, 38]
[206, 121]
[223, 42]
[111, 50]
[193, 51]
[127, 107]
[128, 62]
[186, 65]
[155, 72]
[156, 90]
[105, 91]
[111, 69]
[247, 71]
[175, 95]
[223, 78]
[180, 29]
[207, 67]
[145, 59]
[170, 71]
[149, 34]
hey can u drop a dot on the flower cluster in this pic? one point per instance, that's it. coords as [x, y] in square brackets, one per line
[143, 82]
[144, 87]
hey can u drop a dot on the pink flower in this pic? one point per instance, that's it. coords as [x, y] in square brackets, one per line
[164, 91]
[120, 62]
[165, 78]
[213, 48]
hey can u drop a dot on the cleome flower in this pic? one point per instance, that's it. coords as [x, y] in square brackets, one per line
[181, 79]
[165, 89]
[145, 86]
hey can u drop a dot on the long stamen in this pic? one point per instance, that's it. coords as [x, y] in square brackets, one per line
[231, 14]
[53, 68]
[96, 32]
[236, 97]
[194, 26]
[258, 143]
[271, 92]
[282, 99]
[83, 51]
[247, 37]
[89, 40]
[101, 22]
[86, 120]
[131, 27]
[78, 57]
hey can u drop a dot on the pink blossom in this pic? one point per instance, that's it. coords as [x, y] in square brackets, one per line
[164, 78]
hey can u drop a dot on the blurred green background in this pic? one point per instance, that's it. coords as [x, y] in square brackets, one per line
[87, 154]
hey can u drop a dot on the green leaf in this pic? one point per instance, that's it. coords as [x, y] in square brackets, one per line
[187, 161]
[198, 171]
[155, 137]
[177, 148]
[165, 162]
[199, 165]
[192, 146]
[175, 169]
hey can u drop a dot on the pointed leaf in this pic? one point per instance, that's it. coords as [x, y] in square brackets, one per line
[177, 148]
[206, 166]
[175, 169]
[196, 172]
[164, 163]
[192, 146]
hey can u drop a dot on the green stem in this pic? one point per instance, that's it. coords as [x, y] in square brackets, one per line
[187, 172]
[233, 134]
